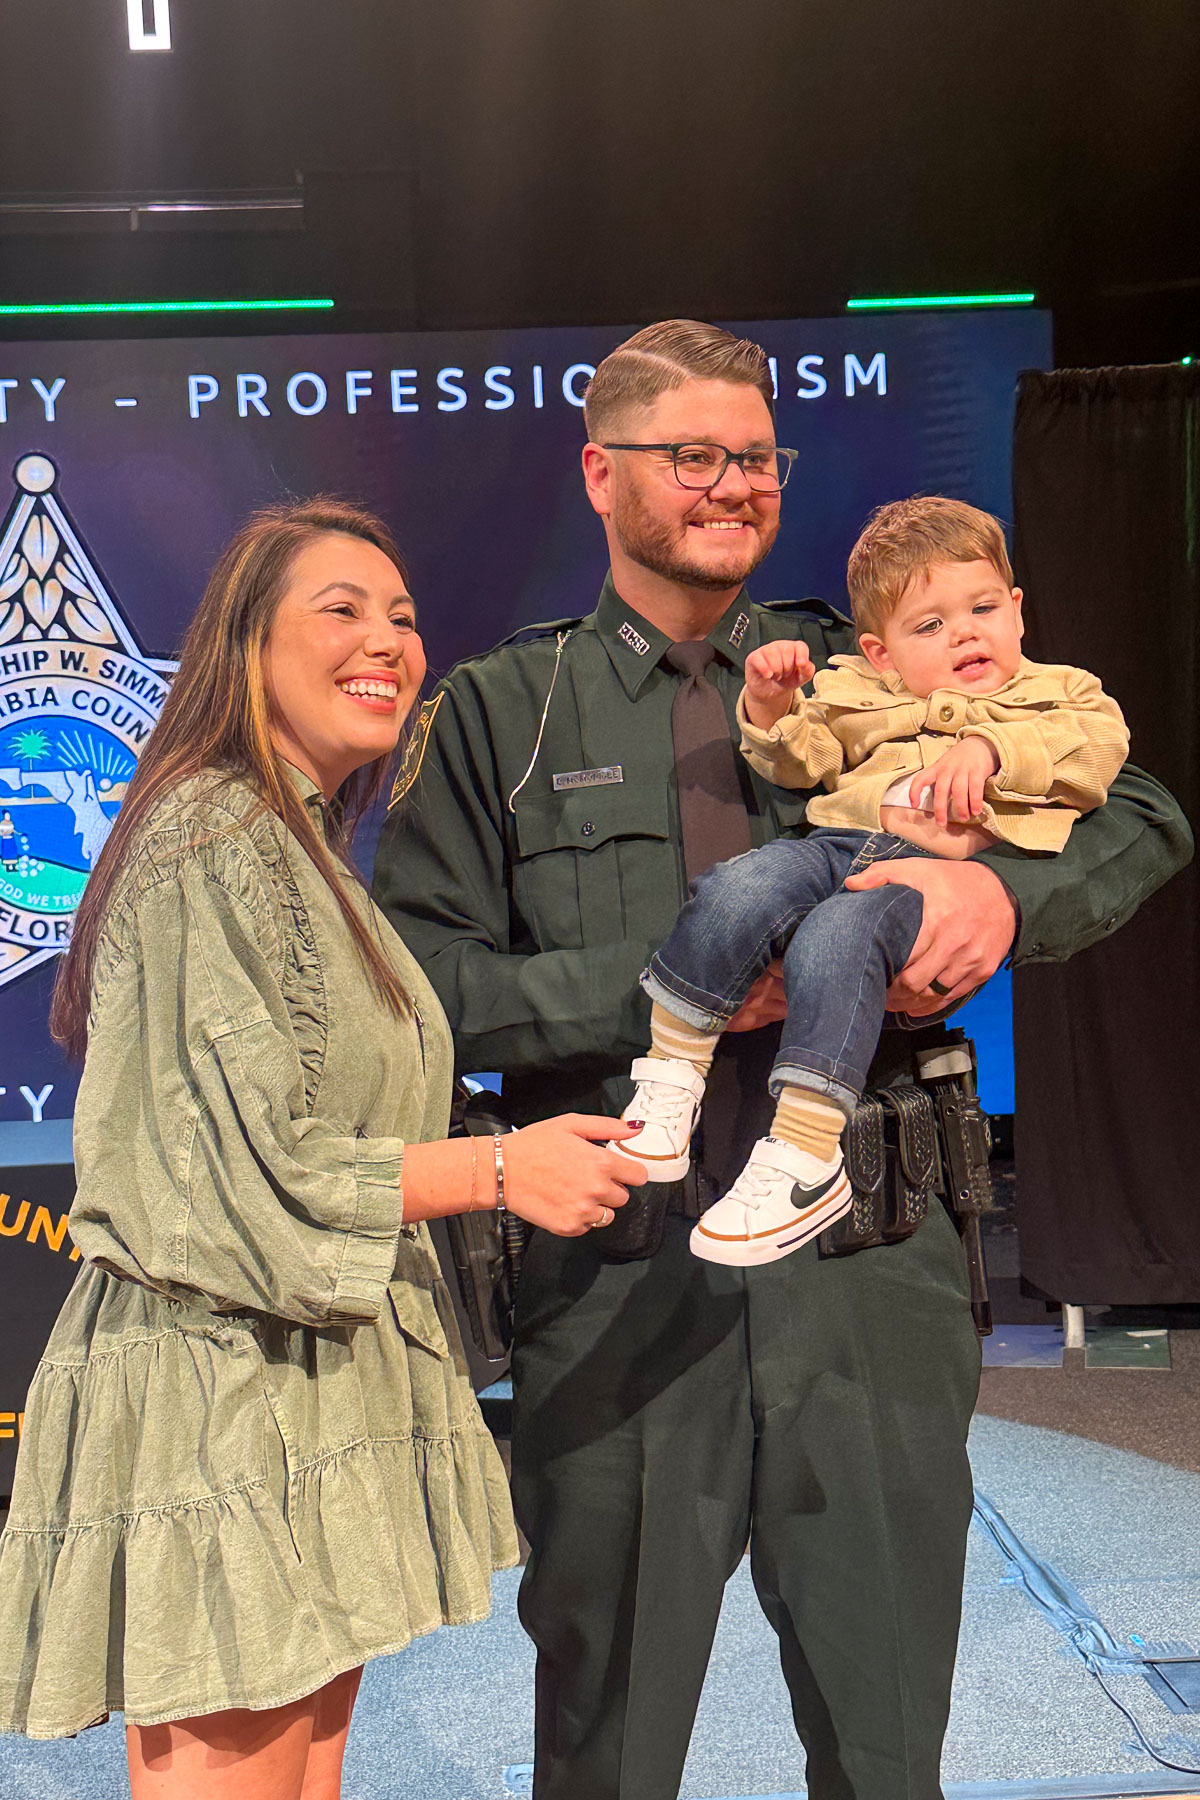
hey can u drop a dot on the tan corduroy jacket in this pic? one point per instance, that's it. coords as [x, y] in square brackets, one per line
[1059, 737]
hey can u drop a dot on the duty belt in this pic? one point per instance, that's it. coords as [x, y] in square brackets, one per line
[918, 1132]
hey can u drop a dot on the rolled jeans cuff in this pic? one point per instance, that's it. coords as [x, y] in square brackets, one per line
[706, 1012]
[794, 1074]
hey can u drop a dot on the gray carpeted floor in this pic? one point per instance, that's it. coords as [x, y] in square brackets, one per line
[446, 1720]
[1153, 1412]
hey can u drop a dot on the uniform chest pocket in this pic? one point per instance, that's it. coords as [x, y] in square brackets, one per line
[591, 864]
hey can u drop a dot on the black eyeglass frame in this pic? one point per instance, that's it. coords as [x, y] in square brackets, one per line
[731, 456]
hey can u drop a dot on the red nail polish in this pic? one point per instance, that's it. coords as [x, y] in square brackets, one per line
[636, 1124]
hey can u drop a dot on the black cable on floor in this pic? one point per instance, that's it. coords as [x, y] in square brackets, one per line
[1143, 1740]
[1069, 1614]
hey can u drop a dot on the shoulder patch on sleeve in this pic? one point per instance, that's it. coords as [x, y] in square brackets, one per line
[414, 750]
[527, 634]
[811, 608]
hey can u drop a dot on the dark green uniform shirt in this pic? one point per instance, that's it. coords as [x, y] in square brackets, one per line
[534, 861]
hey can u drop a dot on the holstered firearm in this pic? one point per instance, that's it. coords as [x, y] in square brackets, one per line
[966, 1140]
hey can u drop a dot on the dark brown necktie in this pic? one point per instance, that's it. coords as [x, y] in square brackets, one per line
[712, 811]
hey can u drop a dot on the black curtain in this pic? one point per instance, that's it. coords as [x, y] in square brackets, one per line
[1106, 481]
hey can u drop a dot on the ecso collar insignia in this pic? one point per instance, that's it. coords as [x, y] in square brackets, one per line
[633, 639]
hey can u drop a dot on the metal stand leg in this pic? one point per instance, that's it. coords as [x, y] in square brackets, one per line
[1072, 1327]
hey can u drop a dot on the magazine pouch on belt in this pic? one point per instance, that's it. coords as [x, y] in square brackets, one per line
[891, 1159]
[911, 1156]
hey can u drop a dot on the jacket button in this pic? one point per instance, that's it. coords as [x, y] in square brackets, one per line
[947, 713]
[587, 828]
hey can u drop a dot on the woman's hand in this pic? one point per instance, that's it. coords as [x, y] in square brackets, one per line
[559, 1175]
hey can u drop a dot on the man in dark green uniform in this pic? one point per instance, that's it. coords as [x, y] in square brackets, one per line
[668, 1410]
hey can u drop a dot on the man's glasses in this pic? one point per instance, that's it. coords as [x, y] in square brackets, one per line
[702, 466]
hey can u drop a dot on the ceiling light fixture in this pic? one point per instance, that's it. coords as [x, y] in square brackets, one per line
[915, 300]
[149, 24]
[60, 308]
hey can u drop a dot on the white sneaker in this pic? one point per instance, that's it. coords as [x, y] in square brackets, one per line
[782, 1198]
[667, 1100]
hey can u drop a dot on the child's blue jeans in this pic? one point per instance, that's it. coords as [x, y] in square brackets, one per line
[840, 951]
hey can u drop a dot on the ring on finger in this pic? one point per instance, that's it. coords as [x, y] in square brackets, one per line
[606, 1218]
[939, 989]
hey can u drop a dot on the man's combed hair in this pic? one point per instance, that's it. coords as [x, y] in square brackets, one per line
[902, 542]
[662, 357]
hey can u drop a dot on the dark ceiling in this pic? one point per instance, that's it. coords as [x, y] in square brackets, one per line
[473, 162]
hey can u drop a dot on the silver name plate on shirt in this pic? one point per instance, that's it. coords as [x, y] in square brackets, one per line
[588, 778]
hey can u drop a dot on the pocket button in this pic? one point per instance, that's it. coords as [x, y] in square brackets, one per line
[587, 828]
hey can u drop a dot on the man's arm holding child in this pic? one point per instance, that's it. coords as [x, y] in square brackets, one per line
[1003, 902]
[1035, 908]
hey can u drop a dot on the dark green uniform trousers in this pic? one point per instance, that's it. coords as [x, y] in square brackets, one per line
[670, 1411]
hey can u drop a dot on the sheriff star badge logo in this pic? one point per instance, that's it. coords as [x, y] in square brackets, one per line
[78, 699]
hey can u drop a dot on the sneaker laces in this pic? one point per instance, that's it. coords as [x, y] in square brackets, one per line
[664, 1103]
[754, 1186]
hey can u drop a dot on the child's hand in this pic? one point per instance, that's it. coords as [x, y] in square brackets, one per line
[957, 781]
[773, 673]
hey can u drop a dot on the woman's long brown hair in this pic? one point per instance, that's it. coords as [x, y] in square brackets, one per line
[217, 717]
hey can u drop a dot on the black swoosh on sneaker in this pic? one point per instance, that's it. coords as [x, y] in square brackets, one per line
[802, 1197]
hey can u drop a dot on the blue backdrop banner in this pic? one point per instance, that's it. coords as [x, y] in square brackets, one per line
[124, 467]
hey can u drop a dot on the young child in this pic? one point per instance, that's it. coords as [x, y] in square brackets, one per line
[940, 739]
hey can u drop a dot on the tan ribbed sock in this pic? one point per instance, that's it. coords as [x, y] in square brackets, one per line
[672, 1040]
[808, 1121]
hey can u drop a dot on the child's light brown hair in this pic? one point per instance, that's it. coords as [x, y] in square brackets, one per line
[901, 543]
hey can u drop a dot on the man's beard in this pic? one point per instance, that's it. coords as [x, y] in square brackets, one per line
[651, 543]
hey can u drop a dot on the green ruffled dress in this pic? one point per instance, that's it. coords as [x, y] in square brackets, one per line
[251, 1457]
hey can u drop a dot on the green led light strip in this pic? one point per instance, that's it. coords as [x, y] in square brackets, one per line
[915, 300]
[73, 307]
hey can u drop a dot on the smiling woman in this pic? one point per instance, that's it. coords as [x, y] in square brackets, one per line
[254, 1377]
[277, 608]
[344, 663]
